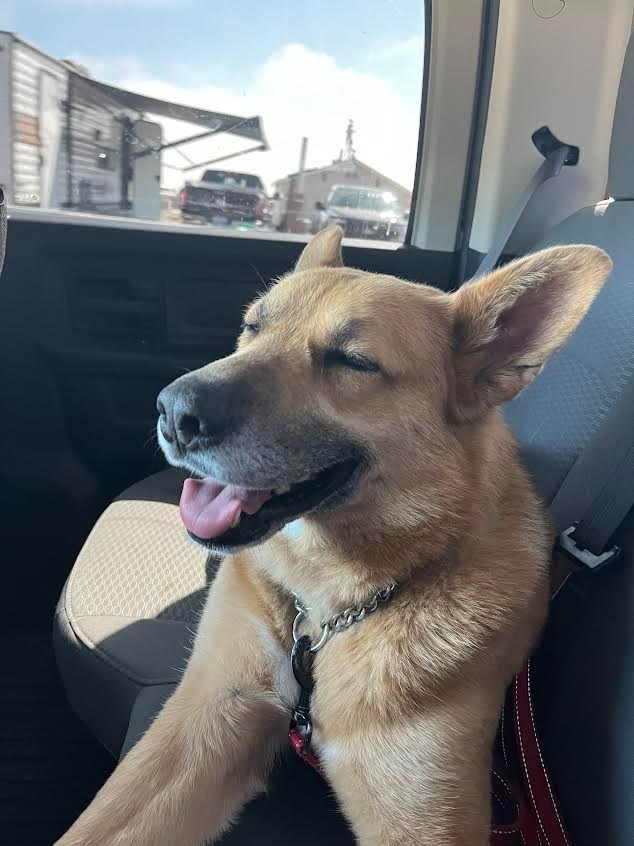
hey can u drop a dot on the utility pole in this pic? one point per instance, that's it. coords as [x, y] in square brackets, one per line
[295, 218]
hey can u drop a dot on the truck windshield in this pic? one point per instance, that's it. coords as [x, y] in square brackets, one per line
[371, 200]
[228, 178]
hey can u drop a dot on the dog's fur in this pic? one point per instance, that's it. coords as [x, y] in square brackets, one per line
[406, 702]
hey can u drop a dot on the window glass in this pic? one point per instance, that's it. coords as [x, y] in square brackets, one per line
[262, 118]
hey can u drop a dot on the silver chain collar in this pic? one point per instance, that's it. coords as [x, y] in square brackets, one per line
[343, 620]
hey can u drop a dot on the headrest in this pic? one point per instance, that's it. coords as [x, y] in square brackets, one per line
[621, 168]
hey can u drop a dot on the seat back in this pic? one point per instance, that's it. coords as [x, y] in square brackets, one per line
[587, 724]
[560, 412]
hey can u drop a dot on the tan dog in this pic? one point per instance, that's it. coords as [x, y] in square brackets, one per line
[375, 400]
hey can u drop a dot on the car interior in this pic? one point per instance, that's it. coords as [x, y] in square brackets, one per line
[103, 590]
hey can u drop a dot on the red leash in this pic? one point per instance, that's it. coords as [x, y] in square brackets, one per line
[520, 789]
[298, 743]
[538, 821]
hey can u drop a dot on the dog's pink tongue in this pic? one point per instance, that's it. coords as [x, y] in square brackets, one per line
[208, 508]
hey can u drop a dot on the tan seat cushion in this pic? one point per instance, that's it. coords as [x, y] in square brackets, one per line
[130, 606]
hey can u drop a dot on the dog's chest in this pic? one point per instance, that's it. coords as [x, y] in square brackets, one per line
[283, 680]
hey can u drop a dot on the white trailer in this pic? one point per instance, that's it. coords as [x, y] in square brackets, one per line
[31, 87]
[69, 141]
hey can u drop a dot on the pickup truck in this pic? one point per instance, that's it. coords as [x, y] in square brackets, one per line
[224, 197]
[363, 213]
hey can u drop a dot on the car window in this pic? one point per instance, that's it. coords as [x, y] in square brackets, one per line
[232, 117]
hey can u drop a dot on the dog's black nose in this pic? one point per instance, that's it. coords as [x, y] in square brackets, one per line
[192, 410]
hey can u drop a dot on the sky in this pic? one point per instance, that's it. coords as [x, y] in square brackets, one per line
[305, 66]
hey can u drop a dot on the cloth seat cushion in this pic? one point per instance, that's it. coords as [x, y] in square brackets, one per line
[126, 617]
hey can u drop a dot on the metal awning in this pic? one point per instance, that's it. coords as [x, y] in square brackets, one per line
[214, 123]
[250, 128]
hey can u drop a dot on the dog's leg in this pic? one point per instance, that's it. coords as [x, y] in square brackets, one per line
[212, 746]
[424, 782]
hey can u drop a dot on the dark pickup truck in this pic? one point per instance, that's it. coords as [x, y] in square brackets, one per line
[224, 197]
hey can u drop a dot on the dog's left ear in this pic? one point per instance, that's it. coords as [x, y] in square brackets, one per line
[324, 250]
[508, 323]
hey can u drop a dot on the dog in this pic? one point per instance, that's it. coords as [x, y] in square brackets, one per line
[351, 464]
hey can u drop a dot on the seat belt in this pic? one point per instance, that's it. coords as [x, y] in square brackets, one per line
[556, 155]
[598, 492]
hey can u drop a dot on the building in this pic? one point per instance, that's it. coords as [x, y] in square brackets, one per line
[347, 170]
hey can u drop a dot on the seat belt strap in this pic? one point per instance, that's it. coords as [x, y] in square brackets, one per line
[598, 492]
[556, 155]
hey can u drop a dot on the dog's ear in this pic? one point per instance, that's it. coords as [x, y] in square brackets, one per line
[324, 250]
[508, 323]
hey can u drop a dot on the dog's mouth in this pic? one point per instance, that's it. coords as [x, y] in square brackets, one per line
[230, 516]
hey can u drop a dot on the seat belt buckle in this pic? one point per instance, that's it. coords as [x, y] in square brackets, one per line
[567, 544]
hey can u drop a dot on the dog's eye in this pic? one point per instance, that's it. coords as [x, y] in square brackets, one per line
[251, 328]
[339, 358]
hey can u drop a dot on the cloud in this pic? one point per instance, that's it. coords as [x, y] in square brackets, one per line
[298, 92]
[112, 68]
[408, 48]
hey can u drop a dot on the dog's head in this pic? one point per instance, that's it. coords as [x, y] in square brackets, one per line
[353, 396]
